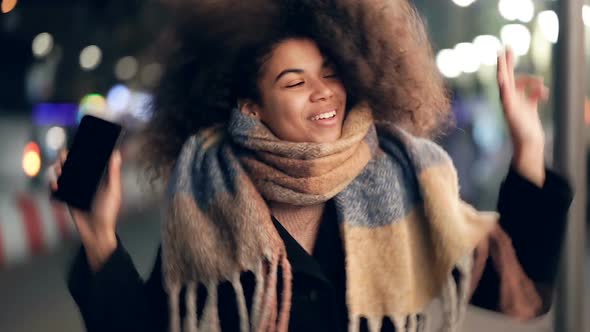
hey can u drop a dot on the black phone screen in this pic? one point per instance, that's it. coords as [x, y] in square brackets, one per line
[87, 161]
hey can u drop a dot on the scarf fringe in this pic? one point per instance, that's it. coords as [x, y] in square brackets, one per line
[190, 320]
[241, 302]
[455, 295]
[173, 296]
[285, 309]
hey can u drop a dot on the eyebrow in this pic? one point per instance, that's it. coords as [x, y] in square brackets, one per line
[325, 64]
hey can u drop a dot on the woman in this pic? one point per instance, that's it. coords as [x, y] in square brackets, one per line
[316, 204]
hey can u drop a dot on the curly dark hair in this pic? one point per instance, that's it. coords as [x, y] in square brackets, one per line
[379, 48]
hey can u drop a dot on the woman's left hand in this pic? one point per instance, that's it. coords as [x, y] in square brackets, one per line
[520, 102]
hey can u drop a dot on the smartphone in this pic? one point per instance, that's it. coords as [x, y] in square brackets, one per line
[87, 161]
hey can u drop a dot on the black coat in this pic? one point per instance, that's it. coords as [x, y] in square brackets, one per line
[117, 299]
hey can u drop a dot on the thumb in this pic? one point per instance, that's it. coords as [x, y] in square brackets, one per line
[115, 170]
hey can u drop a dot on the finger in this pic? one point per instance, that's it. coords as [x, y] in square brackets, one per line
[538, 92]
[114, 181]
[510, 64]
[63, 155]
[530, 84]
[501, 69]
[57, 169]
[529, 80]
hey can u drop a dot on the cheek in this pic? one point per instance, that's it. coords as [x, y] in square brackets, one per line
[340, 91]
[289, 109]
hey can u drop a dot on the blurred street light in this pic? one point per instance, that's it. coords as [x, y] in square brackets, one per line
[487, 47]
[448, 64]
[468, 58]
[31, 162]
[118, 98]
[463, 3]
[8, 5]
[549, 25]
[518, 37]
[512, 10]
[90, 57]
[93, 104]
[55, 138]
[126, 68]
[42, 44]
[586, 15]
[150, 74]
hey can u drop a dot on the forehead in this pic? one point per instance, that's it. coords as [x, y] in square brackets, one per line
[295, 53]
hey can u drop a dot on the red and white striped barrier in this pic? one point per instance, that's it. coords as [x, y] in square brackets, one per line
[31, 224]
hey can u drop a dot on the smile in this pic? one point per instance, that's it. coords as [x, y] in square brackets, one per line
[327, 115]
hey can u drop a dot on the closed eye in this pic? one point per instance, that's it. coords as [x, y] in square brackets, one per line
[294, 85]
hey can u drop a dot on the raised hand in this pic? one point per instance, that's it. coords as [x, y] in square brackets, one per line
[97, 228]
[520, 102]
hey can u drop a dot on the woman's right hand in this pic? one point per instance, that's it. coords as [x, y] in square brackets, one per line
[97, 228]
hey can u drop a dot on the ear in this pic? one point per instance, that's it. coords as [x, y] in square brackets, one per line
[249, 108]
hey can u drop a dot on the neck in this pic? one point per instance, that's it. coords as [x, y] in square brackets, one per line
[302, 222]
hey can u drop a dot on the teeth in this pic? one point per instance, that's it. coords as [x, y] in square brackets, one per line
[326, 115]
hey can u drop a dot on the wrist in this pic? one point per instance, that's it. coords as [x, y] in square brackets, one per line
[99, 249]
[529, 162]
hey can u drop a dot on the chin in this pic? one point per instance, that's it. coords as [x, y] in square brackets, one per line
[328, 137]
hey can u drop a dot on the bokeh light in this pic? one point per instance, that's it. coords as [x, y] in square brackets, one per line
[140, 105]
[549, 25]
[586, 15]
[512, 10]
[90, 57]
[518, 37]
[463, 3]
[447, 63]
[118, 98]
[55, 138]
[42, 44]
[8, 5]
[487, 47]
[126, 68]
[467, 56]
[150, 74]
[31, 162]
[92, 104]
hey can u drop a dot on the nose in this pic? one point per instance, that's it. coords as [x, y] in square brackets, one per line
[321, 91]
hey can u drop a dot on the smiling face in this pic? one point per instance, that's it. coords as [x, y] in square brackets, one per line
[302, 98]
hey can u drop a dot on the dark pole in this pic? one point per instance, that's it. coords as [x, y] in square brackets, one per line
[570, 159]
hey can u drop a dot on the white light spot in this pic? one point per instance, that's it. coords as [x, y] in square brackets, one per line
[487, 47]
[522, 10]
[463, 3]
[42, 44]
[90, 57]
[467, 56]
[447, 63]
[150, 74]
[126, 68]
[518, 37]
[549, 24]
[55, 138]
[586, 15]
[118, 98]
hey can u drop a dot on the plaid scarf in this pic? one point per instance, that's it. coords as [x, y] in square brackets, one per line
[403, 225]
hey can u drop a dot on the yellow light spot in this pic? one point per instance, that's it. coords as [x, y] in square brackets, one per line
[8, 5]
[31, 162]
